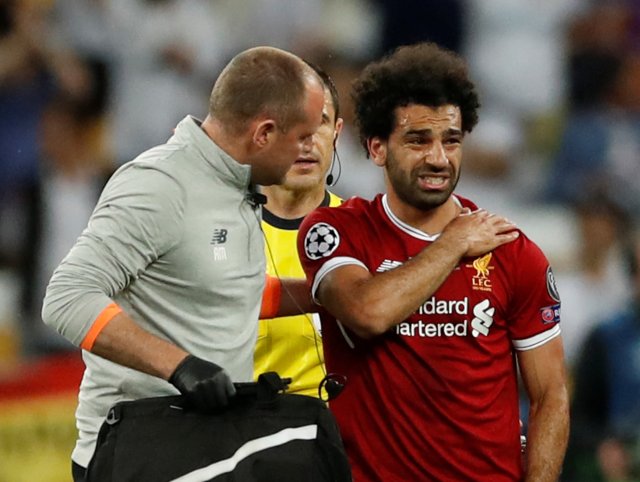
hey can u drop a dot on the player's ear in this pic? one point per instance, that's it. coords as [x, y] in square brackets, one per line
[263, 132]
[377, 151]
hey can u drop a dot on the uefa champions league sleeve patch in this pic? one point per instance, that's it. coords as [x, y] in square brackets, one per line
[550, 314]
[551, 285]
[321, 240]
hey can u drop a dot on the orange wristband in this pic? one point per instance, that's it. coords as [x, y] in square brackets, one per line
[98, 325]
[271, 297]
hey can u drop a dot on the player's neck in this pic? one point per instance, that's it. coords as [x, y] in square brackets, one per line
[292, 204]
[431, 222]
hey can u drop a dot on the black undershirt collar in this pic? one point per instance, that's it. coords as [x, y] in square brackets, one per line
[291, 224]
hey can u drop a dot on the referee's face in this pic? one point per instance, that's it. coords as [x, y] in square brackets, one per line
[310, 170]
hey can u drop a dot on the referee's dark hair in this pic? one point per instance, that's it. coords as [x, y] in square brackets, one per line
[329, 85]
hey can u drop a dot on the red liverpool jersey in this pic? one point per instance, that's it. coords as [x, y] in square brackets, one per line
[435, 398]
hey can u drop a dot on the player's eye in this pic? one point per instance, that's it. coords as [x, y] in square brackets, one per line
[418, 140]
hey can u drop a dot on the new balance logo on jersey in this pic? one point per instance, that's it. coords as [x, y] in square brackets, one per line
[219, 236]
[480, 323]
[388, 265]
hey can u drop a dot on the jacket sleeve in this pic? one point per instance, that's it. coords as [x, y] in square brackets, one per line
[136, 220]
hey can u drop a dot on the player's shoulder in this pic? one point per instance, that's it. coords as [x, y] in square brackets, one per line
[348, 212]
[521, 252]
[465, 202]
[356, 206]
[521, 246]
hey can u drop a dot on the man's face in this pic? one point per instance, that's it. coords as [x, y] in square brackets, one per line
[423, 154]
[311, 168]
[296, 142]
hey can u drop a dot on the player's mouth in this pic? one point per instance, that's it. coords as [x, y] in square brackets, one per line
[432, 182]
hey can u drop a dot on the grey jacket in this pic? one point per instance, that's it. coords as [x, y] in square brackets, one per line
[175, 242]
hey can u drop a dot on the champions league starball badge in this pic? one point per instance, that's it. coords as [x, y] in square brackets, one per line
[321, 240]
[551, 285]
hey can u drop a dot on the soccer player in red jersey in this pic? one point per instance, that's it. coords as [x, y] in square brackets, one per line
[428, 303]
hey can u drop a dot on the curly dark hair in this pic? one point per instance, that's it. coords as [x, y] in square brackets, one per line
[423, 73]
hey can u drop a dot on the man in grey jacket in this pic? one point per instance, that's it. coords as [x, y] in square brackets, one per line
[163, 288]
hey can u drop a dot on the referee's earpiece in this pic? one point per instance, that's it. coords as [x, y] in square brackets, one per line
[330, 178]
[333, 160]
[330, 175]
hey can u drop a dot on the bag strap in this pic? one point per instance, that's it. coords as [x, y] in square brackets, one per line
[266, 389]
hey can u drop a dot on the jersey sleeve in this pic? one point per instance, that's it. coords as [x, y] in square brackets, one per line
[534, 313]
[328, 239]
[136, 220]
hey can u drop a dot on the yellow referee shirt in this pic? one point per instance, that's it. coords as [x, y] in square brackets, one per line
[290, 345]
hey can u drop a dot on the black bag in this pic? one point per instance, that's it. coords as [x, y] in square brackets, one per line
[265, 436]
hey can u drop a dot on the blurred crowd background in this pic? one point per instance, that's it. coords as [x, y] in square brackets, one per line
[86, 85]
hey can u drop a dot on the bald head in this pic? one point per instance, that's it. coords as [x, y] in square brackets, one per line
[261, 81]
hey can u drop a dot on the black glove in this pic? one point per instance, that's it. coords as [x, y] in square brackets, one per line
[206, 385]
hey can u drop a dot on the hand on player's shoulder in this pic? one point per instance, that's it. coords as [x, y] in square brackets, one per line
[481, 231]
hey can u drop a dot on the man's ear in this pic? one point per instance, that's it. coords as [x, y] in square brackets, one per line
[338, 130]
[377, 151]
[263, 132]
